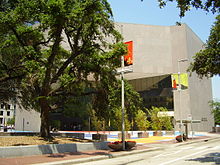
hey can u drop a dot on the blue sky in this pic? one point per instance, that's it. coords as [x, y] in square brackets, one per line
[148, 12]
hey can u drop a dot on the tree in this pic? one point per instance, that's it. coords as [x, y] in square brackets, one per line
[56, 45]
[207, 61]
[107, 103]
[186, 5]
[141, 120]
[215, 105]
[158, 121]
[11, 121]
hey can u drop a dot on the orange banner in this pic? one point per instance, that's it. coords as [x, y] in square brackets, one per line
[128, 58]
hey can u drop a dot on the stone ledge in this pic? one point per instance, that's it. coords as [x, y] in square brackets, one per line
[16, 151]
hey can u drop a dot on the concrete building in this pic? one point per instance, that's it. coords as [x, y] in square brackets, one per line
[27, 120]
[158, 53]
[7, 112]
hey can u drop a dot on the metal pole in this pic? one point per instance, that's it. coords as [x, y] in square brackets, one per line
[122, 103]
[179, 89]
[89, 125]
[122, 98]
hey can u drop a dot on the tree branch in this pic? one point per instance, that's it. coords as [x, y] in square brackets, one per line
[74, 54]
[51, 58]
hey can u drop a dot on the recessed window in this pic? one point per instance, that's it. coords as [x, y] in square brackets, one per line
[8, 113]
[1, 113]
[8, 106]
[2, 106]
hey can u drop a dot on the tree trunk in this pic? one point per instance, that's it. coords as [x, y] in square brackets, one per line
[44, 130]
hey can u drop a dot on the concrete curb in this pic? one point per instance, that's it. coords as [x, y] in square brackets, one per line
[102, 157]
[119, 154]
[16, 151]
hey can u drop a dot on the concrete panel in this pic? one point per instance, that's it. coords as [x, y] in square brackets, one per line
[27, 120]
[147, 39]
[157, 50]
[200, 89]
[50, 149]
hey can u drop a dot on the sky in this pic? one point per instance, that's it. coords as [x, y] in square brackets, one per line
[149, 13]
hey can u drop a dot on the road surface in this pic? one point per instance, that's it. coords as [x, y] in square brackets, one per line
[204, 152]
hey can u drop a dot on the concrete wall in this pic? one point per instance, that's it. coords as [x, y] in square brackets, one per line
[157, 50]
[200, 89]
[18, 151]
[27, 120]
[152, 48]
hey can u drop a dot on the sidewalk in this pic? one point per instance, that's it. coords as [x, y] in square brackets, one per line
[65, 157]
[86, 156]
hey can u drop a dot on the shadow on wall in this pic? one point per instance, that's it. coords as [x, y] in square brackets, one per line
[73, 147]
[57, 148]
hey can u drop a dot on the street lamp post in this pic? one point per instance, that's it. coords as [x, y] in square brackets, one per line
[122, 103]
[179, 89]
[122, 72]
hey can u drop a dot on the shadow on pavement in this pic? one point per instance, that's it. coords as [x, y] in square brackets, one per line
[208, 158]
[62, 155]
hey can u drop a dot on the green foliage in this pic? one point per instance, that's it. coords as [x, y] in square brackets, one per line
[141, 121]
[207, 61]
[167, 123]
[159, 122]
[96, 123]
[11, 121]
[116, 123]
[51, 48]
[55, 124]
[107, 102]
[215, 105]
[186, 5]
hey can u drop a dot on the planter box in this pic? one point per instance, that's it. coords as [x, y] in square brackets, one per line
[217, 129]
[99, 137]
[180, 138]
[118, 146]
[158, 133]
[127, 135]
[170, 133]
[143, 134]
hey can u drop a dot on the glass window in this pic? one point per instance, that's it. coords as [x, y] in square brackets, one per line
[2, 106]
[8, 113]
[1, 113]
[162, 96]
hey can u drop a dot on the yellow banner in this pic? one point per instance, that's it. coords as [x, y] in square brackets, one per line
[183, 77]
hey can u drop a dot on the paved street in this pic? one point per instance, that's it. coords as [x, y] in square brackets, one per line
[205, 152]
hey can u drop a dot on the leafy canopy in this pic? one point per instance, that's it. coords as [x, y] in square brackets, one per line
[159, 122]
[215, 105]
[207, 61]
[56, 48]
[186, 5]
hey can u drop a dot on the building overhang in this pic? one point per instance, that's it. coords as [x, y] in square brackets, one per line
[132, 74]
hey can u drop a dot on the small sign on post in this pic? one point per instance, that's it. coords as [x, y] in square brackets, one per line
[189, 117]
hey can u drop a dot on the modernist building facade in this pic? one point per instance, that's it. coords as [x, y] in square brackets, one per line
[158, 53]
